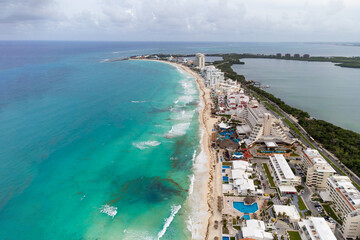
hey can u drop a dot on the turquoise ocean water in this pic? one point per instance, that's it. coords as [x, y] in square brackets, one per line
[95, 150]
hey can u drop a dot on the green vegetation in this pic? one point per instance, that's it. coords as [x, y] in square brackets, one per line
[351, 62]
[293, 235]
[301, 204]
[299, 188]
[331, 213]
[256, 182]
[237, 227]
[268, 174]
[227, 163]
[344, 144]
[273, 109]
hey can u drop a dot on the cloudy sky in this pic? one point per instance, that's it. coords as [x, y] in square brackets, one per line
[181, 20]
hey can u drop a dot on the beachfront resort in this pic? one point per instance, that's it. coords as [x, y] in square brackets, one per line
[266, 183]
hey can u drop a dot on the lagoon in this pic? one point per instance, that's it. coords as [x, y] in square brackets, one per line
[324, 90]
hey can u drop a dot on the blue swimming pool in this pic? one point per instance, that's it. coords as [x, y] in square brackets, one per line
[226, 238]
[225, 166]
[226, 179]
[241, 207]
[246, 217]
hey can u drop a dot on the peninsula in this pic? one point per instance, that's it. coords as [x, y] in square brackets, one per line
[268, 178]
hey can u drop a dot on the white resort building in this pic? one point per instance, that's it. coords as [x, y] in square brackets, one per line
[213, 77]
[317, 169]
[291, 212]
[315, 228]
[264, 127]
[346, 200]
[282, 173]
[255, 229]
[242, 182]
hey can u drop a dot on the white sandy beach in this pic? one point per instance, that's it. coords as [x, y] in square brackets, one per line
[208, 196]
[207, 171]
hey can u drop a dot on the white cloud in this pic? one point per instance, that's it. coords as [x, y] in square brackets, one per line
[215, 20]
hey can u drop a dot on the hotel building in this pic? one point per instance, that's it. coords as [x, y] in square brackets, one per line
[200, 60]
[346, 200]
[213, 76]
[282, 173]
[255, 229]
[315, 228]
[264, 127]
[317, 169]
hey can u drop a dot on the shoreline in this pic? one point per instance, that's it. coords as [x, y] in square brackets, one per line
[207, 203]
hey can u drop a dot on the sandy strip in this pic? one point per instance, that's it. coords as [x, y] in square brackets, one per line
[208, 198]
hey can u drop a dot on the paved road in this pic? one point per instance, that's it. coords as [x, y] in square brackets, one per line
[355, 178]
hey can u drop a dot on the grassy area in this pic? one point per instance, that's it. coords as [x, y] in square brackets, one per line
[273, 109]
[295, 129]
[256, 182]
[227, 163]
[268, 174]
[294, 235]
[331, 213]
[301, 204]
[237, 227]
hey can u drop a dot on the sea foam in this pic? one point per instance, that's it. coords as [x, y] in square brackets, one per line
[109, 210]
[178, 130]
[174, 210]
[147, 144]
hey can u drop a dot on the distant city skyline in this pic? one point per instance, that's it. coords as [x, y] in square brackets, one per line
[170, 20]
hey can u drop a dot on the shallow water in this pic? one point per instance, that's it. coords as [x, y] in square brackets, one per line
[95, 150]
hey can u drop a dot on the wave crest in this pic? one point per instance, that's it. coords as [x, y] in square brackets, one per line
[174, 210]
[109, 210]
[147, 144]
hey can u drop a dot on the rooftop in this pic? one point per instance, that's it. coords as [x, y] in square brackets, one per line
[344, 185]
[290, 211]
[317, 228]
[317, 160]
[255, 229]
[282, 168]
[271, 144]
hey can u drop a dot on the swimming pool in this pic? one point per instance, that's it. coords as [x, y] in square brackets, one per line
[226, 238]
[241, 207]
[225, 166]
[246, 217]
[226, 179]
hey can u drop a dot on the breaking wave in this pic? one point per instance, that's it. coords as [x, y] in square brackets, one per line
[109, 210]
[174, 210]
[147, 144]
[178, 130]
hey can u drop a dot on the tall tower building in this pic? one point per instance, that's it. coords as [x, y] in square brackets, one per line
[267, 124]
[200, 60]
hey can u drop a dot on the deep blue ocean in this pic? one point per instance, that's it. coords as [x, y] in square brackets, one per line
[103, 150]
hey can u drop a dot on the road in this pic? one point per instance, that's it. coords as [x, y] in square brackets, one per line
[353, 177]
